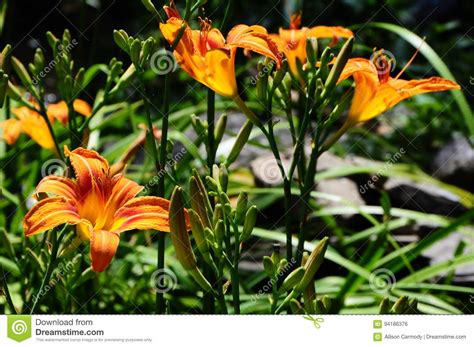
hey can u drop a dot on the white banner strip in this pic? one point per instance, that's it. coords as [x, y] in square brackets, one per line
[229, 331]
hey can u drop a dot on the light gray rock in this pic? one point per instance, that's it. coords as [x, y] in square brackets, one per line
[423, 197]
[454, 163]
[445, 250]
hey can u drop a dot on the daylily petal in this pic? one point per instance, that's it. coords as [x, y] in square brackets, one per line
[90, 168]
[104, 245]
[294, 47]
[34, 126]
[355, 65]
[50, 213]
[123, 191]
[414, 87]
[322, 31]
[60, 111]
[254, 38]
[185, 51]
[220, 74]
[61, 186]
[215, 39]
[373, 97]
[395, 90]
[11, 130]
[144, 213]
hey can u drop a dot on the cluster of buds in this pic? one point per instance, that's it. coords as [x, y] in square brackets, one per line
[215, 226]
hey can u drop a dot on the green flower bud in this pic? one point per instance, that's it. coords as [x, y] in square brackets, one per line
[199, 126]
[22, 73]
[280, 75]
[223, 178]
[249, 223]
[401, 305]
[293, 279]
[199, 202]
[179, 233]
[135, 50]
[79, 81]
[219, 232]
[241, 208]
[13, 92]
[384, 307]
[220, 128]
[39, 59]
[146, 49]
[121, 39]
[66, 37]
[5, 59]
[312, 51]
[52, 40]
[312, 265]
[262, 80]
[217, 216]
[212, 183]
[200, 236]
[240, 142]
[3, 87]
[269, 266]
[150, 7]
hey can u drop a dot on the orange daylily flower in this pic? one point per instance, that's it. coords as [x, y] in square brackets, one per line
[34, 125]
[101, 205]
[209, 58]
[292, 41]
[59, 111]
[375, 91]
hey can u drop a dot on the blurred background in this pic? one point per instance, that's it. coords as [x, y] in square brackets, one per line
[431, 129]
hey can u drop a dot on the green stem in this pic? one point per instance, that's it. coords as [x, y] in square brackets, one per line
[72, 125]
[160, 303]
[286, 182]
[211, 154]
[6, 291]
[52, 262]
[336, 136]
[209, 305]
[235, 271]
[44, 114]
